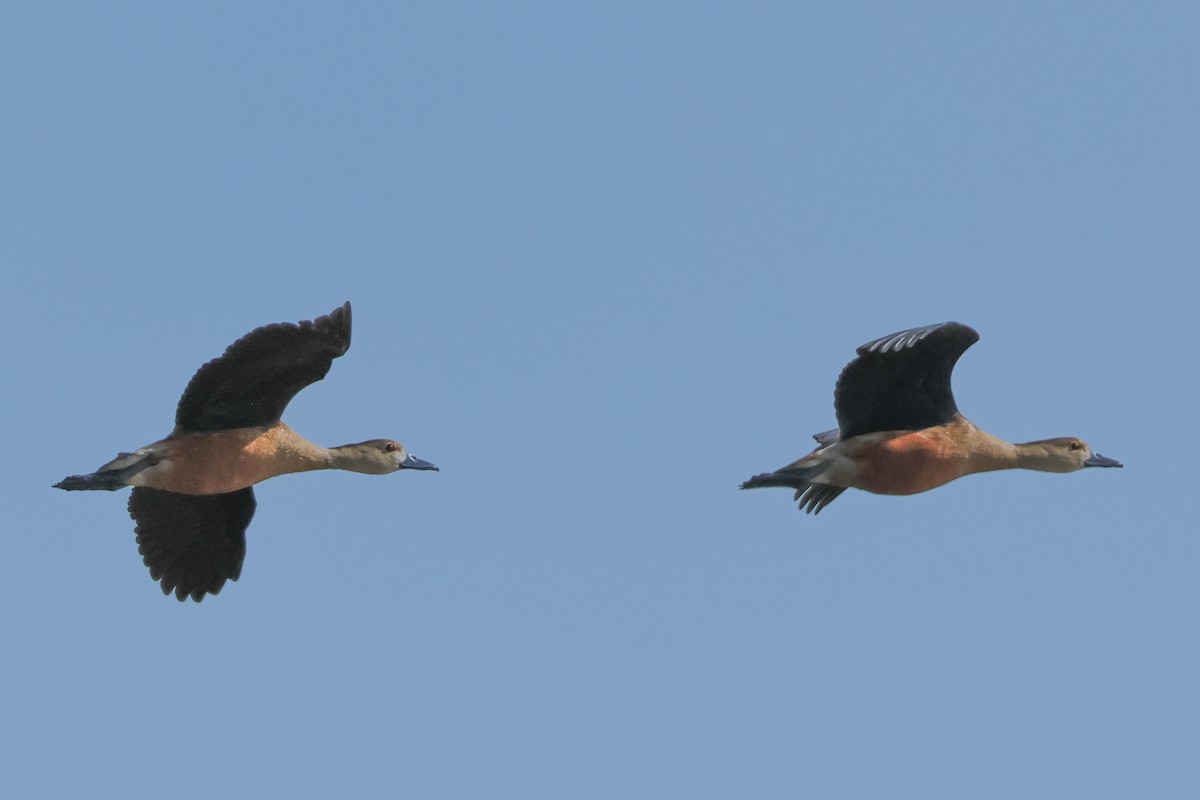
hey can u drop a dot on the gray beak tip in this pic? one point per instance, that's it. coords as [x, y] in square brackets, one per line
[412, 462]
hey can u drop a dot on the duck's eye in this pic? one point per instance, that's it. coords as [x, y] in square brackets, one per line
[389, 447]
[1075, 445]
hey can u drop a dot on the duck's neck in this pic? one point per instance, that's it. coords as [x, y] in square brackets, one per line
[991, 453]
[1038, 455]
[985, 452]
[344, 456]
[301, 455]
[298, 454]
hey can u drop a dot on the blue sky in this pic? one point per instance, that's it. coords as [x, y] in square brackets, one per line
[606, 262]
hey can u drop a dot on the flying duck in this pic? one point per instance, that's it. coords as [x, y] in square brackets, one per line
[899, 431]
[192, 498]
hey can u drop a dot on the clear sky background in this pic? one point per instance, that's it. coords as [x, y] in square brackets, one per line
[606, 261]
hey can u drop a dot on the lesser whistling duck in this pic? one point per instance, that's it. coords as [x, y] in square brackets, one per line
[192, 499]
[899, 431]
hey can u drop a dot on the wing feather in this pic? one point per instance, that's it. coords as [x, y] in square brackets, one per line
[258, 375]
[192, 543]
[902, 381]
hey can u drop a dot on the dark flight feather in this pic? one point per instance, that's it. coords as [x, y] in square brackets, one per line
[901, 381]
[258, 375]
[192, 543]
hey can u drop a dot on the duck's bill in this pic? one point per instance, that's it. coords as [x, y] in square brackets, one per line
[412, 462]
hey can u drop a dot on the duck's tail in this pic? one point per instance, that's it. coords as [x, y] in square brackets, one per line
[812, 496]
[113, 475]
[108, 480]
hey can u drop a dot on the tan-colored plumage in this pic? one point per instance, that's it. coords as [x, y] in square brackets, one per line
[192, 499]
[900, 432]
[214, 462]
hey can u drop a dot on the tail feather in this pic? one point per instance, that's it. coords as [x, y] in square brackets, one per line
[113, 475]
[790, 480]
[816, 496]
[107, 480]
[812, 496]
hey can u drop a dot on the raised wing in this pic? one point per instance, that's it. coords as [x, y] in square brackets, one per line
[901, 381]
[259, 374]
[192, 543]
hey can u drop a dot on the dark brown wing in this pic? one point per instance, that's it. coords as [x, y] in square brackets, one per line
[259, 374]
[192, 543]
[901, 381]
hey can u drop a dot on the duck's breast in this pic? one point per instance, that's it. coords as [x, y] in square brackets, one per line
[908, 462]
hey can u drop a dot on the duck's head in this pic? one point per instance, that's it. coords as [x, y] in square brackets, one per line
[1065, 454]
[377, 457]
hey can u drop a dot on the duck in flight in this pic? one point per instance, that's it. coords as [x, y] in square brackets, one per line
[899, 431]
[192, 498]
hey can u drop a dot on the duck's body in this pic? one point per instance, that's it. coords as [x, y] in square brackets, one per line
[215, 462]
[192, 499]
[900, 432]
